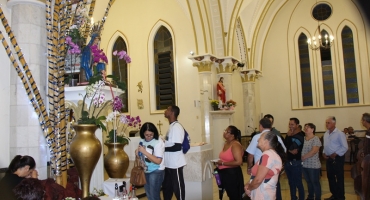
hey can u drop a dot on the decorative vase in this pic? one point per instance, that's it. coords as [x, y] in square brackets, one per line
[116, 161]
[85, 150]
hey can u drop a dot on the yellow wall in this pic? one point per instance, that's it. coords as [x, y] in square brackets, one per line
[276, 87]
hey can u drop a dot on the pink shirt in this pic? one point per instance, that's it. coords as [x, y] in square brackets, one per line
[226, 156]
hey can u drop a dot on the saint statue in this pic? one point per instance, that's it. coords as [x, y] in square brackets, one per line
[87, 57]
[221, 91]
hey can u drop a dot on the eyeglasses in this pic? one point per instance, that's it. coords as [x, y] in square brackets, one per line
[149, 136]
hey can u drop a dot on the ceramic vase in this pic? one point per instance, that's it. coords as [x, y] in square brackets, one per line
[85, 150]
[116, 161]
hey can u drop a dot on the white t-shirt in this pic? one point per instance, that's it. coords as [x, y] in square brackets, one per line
[156, 148]
[255, 151]
[175, 134]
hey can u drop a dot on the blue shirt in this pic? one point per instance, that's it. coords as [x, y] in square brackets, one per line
[335, 142]
[255, 151]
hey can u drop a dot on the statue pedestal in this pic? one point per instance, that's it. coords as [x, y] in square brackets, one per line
[220, 120]
[198, 173]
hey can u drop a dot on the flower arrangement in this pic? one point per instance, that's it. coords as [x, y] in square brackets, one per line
[97, 99]
[230, 103]
[98, 54]
[73, 53]
[121, 123]
[214, 102]
[121, 55]
[97, 193]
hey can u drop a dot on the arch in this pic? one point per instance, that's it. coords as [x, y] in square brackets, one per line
[358, 65]
[153, 64]
[111, 47]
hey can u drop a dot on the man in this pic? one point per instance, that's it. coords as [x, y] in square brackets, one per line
[174, 158]
[293, 166]
[366, 123]
[351, 132]
[335, 146]
[273, 129]
[254, 153]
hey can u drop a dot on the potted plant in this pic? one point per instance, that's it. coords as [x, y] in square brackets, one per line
[230, 104]
[116, 160]
[215, 104]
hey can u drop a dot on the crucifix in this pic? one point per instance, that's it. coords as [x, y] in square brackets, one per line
[159, 126]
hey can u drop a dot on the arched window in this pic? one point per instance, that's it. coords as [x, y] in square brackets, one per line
[349, 61]
[304, 61]
[164, 69]
[327, 73]
[119, 69]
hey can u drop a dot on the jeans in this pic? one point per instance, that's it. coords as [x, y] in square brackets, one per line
[153, 184]
[312, 177]
[293, 170]
[335, 174]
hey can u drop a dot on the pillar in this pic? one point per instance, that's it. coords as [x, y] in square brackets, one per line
[28, 24]
[249, 100]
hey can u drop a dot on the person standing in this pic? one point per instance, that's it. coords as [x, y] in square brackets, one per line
[293, 166]
[311, 162]
[335, 146]
[174, 159]
[266, 171]
[366, 123]
[231, 157]
[273, 129]
[254, 153]
[153, 149]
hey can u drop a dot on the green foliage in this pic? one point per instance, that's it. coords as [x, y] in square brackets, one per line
[119, 138]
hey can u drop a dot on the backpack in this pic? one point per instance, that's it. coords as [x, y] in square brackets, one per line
[186, 143]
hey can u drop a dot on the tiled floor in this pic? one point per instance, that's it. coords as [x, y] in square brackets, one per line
[350, 193]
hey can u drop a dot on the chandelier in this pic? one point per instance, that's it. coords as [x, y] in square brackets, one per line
[315, 43]
[325, 42]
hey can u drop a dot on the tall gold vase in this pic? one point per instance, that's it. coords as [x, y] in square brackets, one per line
[85, 150]
[116, 161]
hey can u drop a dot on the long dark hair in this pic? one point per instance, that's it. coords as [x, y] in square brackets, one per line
[148, 126]
[19, 162]
[236, 132]
[275, 144]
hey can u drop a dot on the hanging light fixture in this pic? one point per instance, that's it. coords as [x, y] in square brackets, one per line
[315, 43]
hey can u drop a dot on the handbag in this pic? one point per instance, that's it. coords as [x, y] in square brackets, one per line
[137, 177]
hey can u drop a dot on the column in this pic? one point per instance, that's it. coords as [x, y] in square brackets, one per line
[250, 116]
[204, 64]
[220, 121]
[28, 24]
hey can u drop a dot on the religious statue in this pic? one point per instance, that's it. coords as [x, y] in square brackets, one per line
[93, 60]
[221, 91]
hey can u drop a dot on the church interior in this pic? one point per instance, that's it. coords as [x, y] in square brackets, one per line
[307, 59]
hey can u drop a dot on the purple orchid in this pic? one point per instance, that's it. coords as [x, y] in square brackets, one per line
[117, 104]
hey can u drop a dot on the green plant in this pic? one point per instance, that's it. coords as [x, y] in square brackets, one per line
[120, 123]
[214, 102]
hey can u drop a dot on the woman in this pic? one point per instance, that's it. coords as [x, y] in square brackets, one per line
[265, 173]
[231, 157]
[153, 149]
[311, 161]
[221, 91]
[20, 167]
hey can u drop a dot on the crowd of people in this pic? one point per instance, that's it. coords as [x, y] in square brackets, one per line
[269, 154]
